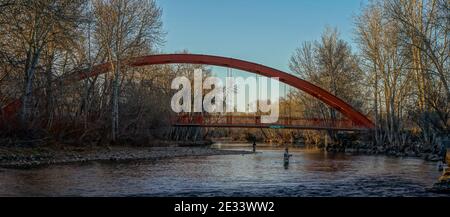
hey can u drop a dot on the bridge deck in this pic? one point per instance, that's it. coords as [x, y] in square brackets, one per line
[211, 121]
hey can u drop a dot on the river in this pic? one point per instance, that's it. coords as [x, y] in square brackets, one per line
[310, 173]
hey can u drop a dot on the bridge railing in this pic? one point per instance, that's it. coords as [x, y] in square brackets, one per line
[199, 119]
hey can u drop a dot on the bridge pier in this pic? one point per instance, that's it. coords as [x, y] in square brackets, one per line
[192, 134]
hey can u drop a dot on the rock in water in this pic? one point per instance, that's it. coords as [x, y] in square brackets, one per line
[443, 186]
[440, 187]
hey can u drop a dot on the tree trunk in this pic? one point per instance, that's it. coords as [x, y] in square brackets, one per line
[28, 89]
[115, 104]
[50, 100]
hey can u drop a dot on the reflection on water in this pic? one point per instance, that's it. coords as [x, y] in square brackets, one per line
[310, 173]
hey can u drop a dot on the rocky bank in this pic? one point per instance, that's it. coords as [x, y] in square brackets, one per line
[29, 157]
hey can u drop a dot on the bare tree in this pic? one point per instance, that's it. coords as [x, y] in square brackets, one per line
[330, 64]
[125, 28]
[424, 27]
[30, 26]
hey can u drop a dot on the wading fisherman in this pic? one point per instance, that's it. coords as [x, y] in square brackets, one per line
[254, 145]
[286, 156]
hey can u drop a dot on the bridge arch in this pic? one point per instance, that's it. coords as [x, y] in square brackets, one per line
[255, 68]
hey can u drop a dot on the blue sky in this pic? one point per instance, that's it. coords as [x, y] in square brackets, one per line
[262, 31]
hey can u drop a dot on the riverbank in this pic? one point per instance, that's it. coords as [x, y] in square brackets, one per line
[30, 157]
[360, 148]
[427, 155]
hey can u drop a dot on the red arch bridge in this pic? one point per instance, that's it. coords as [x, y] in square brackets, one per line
[354, 119]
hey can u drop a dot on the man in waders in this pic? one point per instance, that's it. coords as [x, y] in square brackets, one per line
[254, 146]
[286, 157]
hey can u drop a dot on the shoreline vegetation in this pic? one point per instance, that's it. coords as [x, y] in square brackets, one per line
[429, 154]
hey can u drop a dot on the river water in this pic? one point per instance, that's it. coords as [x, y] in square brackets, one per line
[310, 173]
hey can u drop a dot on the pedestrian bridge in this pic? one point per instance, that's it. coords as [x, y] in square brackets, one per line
[358, 120]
